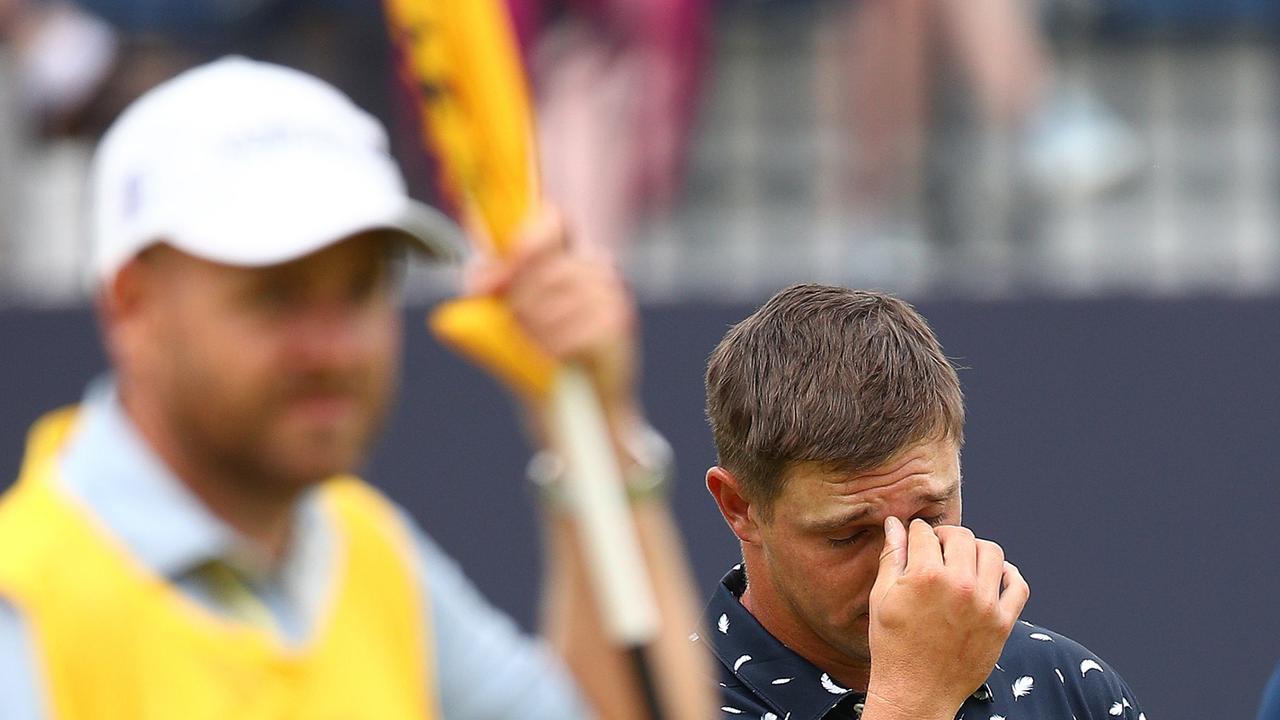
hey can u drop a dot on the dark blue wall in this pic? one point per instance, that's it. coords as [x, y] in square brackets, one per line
[1125, 453]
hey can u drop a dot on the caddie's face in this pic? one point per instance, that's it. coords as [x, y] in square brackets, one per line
[279, 374]
[819, 553]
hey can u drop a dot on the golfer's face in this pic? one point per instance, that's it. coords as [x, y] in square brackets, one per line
[822, 547]
[280, 373]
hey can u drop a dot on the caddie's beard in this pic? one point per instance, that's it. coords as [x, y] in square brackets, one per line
[275, 441]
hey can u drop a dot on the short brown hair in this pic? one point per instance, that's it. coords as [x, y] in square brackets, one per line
[845, 378]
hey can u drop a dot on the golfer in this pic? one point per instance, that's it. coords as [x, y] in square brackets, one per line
[838, 424]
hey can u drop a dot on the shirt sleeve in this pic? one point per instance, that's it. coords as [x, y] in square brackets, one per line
[1100, 692]
[487, 669]
[1048, 675]
[17, 668]
[1110, 697]
[1270, 709]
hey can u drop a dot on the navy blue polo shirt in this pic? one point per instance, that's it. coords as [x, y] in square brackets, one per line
[1040, 676]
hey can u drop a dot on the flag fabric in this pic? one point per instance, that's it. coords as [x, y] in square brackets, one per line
[475, 107]
[462, 59]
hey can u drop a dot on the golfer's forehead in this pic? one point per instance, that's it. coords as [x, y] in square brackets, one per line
[927, 474]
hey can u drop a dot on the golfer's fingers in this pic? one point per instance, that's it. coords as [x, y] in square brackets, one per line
[959, 549]
[1015, 593]
[923, 548]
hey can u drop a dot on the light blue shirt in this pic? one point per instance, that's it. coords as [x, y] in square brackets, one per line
[487, 669]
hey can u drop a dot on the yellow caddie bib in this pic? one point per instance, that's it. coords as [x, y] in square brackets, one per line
[114, 640]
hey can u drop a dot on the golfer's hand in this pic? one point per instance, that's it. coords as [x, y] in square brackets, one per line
[942, 607]
[572, 302]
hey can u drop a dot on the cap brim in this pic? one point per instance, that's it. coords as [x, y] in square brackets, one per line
[439, 238]
[257, 227]
[432, 234]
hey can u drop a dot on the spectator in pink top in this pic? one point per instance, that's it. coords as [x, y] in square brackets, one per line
[616, 83]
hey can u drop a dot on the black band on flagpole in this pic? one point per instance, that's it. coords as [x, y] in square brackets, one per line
[648, 690]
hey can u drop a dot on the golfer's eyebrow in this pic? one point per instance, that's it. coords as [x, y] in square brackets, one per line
[860, 512]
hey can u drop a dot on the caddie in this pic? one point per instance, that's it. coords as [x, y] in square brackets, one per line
[188, 542]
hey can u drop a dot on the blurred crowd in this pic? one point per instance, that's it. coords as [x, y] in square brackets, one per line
[619, 85]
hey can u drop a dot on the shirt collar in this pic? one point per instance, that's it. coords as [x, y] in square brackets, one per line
[109, 467]
[759, 661]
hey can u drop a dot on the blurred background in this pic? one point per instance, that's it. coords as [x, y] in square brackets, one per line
[1083, 196]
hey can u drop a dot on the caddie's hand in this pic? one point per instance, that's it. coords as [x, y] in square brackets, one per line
[942, 607]
[573, 302]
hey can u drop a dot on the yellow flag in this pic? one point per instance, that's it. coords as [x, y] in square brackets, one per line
[474, 103]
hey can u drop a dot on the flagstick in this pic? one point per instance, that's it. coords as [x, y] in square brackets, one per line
[481, 128]
[609, 538]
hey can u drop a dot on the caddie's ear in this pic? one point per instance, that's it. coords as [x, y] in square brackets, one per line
[733, 504]
[126, 303]
[117, 300]
[120, 294]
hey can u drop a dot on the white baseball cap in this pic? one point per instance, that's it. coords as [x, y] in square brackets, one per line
[246, 163]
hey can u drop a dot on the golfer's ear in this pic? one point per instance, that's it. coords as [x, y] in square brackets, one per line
[733, 504]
